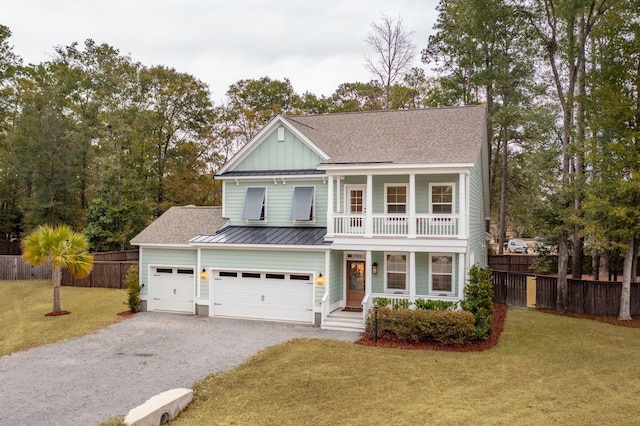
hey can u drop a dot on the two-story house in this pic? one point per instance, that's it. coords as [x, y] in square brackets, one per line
[322, 214]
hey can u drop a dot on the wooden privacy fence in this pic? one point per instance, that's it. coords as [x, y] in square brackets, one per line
[511, 262]
[104, 274]
[109, 270]
[14, 268]
[585, 297]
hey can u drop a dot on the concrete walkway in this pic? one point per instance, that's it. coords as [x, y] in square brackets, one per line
[85, 381]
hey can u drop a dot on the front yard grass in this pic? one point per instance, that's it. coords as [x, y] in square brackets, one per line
[24, 304]
[546, 369]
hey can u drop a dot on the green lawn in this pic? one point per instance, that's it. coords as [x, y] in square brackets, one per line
[23, 324]
[547, 369]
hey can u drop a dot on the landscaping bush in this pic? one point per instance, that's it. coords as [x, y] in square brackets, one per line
[435, 305]
[479, 301]
[446, 327]
[383, 301]
[133, 289]
[394, 303]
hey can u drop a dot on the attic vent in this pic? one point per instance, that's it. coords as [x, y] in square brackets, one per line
[280, 134]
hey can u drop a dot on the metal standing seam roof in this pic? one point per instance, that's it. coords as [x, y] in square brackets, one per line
[272, 235]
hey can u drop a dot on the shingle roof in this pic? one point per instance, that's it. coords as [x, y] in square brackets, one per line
[279, 235]
[178, 225]
[421, 136]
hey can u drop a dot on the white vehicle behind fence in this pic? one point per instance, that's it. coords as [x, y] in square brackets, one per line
[517, 246]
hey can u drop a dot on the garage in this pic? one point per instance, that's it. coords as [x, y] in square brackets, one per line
[280, 296]
[172, 289]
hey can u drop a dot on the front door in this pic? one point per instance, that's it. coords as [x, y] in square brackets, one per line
[355, 283]
[355, 203]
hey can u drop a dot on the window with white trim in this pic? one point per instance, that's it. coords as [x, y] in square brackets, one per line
[441, 197]
[255, 204]
[395, 198]
[441, 278]
[303, 203]
[396, 272]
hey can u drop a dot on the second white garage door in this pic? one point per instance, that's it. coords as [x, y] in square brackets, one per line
[263, 295]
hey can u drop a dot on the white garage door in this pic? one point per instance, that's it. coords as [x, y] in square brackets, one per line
[263, 295]
[172, 289]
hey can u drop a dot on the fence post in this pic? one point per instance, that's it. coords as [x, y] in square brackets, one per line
[531, 291]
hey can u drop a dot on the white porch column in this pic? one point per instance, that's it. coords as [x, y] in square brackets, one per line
[368, 219]
[462, 274]
[412, 205]
[368, 275]
[198, 269]
[338, 195]
[330, 207]
[327, 273]
[462, 202]
[412, 276]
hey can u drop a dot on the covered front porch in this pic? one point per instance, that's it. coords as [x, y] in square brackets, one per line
[356, 278]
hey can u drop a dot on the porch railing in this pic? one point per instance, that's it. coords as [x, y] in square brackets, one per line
[367, 303]
[386, 225]
[325, 307]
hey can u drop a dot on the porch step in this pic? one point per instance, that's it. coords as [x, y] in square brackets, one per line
[344, 321]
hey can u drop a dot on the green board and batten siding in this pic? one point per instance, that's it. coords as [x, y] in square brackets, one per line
[336, 292]
[271, 154]
[164, 257]
[477, 230]
[267, 260]
[279, 200]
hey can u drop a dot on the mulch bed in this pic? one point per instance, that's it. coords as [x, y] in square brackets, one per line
[57, 314]
[499, 316]
[126, 314]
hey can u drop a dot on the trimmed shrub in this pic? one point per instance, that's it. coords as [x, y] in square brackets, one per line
[383, 301]
[394, 303]
[479, 301]
[133, 289]
[446, 327]
[436, 305]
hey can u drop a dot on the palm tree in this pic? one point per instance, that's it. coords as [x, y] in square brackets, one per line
[64, 248]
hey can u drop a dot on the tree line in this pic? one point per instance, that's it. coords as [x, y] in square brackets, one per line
[97, 140]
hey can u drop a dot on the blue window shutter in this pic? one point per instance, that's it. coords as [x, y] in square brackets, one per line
[302, 207]
[254, 204]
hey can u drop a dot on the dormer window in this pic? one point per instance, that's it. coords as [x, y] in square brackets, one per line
[255, 204]
[302, 206]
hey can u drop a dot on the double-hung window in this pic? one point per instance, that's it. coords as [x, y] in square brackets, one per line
[396, 272]
[441, 198]
[441, 273]
[396, 199]
[302, 206]
[255, 204]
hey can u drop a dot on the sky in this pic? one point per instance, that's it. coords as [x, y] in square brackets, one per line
[317, 45]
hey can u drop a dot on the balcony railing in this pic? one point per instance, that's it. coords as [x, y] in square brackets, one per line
[386, 225]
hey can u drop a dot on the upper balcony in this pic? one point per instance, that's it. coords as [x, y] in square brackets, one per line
[415, 205]
[393, 225]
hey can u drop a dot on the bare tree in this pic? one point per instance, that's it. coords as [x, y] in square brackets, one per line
[394, 52]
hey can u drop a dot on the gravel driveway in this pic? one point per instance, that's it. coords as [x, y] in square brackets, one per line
[84, 381]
